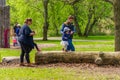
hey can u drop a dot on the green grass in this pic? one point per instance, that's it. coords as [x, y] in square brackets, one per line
[99, 43]
[95, 37]
[52, 74]
[94, 45]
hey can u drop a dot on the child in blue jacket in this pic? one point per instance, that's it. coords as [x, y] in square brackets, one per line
[65, 37]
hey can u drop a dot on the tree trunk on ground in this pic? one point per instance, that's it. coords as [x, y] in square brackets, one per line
[46, 23]
[117, 24]
[98, 58]
[76, 21]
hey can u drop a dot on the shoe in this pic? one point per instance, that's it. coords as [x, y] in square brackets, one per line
[22, 64]
[30, 65]
[66, 50]
[63, 49]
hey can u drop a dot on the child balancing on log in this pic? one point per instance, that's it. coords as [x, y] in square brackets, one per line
[36, 46]
[65, 37]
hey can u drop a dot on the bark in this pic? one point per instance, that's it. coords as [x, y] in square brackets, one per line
[54, 18]
[98, 58]
[2, 2]
[89, 21]
[109, 1]
[71, 2]
[4, 25]
[46, 23]
[117, 24]
[91, 27]
[76, 21]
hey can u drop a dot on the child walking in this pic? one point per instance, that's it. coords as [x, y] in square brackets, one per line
[14, 40]
[65, 37]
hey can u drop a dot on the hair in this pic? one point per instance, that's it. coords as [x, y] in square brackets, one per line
[71, 17]
[28, 19]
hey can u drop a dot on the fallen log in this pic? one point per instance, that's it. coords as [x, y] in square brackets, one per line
[11, 60]
[98, 58]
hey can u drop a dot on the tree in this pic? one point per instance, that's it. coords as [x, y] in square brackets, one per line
[46, 23]
[96, 11]
[75, 14]
[117, 24]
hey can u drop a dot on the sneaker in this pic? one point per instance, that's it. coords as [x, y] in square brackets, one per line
[63, 49]
[66, 50]
[22, 64]
[30, 65]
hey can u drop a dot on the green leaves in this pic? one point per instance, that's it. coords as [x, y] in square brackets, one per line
[58, 11]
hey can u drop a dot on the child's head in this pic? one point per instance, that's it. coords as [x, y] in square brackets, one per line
[66, 30]
[18, 25]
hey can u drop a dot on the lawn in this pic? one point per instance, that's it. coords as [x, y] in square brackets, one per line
[53, 73]
[59, 72]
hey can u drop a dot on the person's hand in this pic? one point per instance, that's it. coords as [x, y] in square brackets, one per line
[39, 50]
[33, 31]
[32, 34]
[65, 37]
[71, 32]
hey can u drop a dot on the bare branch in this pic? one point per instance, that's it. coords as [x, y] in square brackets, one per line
[71, 2]
[109, 1]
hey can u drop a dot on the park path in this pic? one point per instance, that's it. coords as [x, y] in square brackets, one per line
[78, 40]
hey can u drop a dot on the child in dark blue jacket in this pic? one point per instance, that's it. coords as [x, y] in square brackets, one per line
[65, 38]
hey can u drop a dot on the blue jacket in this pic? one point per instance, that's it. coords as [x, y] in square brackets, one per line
[25, 36]
[17, 31]
[65, 37]
[70, 26]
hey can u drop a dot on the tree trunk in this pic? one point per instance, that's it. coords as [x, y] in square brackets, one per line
[76, 21]
[88, 23]
[117, 24]
[98, 58]
[4, 25]
[91, 27]
[46, 23]
[56, 29]
[2, 2]
[54, 19]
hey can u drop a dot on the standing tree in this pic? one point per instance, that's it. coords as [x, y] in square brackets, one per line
[46, 23]
[4, 25]
[75, 14]
[116, 5]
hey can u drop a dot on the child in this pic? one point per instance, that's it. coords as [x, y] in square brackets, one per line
[65, 38]
[36, 46]
[14, 40]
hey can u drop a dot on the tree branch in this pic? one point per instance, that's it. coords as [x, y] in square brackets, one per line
[71, 2]
[109, 1]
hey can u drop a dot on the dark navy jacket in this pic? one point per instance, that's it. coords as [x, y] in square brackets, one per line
[65, 37]
[25, 36]
[70, 26]
[17, 31]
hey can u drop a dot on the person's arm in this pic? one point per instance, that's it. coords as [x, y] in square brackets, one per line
[31, 34]
[65, 36]
[73, 30]
[28, 32]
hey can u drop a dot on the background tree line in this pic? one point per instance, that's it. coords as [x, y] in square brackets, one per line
[92, 17]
